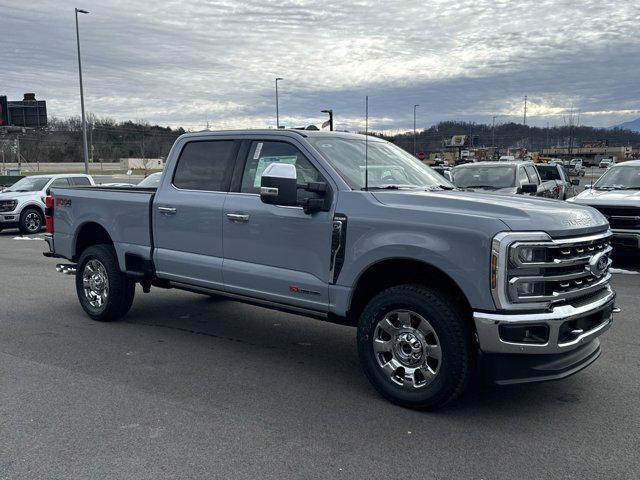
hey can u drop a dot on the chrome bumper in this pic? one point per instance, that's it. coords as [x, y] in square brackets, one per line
[488, 327]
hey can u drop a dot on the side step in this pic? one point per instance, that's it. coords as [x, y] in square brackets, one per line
[66, 268]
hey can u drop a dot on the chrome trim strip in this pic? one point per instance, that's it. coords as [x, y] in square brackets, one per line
[487, 327]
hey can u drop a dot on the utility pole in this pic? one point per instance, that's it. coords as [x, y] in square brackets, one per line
[493, 133]
[84, 120]
[525, 109]
[414, 130]
[277, 105]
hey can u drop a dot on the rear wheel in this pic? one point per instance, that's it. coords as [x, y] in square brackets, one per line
[31, 221]
[105, 293]
[415, 346]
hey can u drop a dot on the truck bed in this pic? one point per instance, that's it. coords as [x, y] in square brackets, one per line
[123, 212]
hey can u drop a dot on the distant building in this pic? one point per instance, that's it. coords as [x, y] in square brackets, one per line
[141, 164]
[590, 154]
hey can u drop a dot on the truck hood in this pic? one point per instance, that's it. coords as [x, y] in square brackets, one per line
[616, 198]
[17, 195]
[517, 212]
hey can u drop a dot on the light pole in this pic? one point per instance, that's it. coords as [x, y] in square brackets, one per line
[330, 112]
[277, 106]
[414, 129]
[84, 121]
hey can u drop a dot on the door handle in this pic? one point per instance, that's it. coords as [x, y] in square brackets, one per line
[167, 210]
[238, 217]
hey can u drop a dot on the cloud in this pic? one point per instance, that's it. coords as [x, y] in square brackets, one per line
[186, 63]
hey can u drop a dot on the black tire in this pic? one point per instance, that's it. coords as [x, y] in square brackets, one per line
[453, 334]
[31, 221]
[121, 289]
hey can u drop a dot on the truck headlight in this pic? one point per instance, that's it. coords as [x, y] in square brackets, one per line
[8, 205]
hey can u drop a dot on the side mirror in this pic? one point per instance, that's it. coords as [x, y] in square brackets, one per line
[575, 182]
[529, 188]
[279, 185]
[588, 186]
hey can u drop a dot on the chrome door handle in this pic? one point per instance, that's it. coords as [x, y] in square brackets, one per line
[167, 210]
[238, 217]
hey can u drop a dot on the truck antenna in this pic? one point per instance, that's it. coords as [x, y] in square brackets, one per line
[366, 143]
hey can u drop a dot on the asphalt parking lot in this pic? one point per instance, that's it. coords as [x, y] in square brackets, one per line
[190, 386]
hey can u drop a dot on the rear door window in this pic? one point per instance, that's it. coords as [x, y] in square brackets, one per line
[60, 182]
[205, 165]
[533, 175]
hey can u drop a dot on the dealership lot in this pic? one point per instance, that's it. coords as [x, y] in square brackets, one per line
[190, 386]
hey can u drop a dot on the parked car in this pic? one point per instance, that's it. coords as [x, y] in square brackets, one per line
[564, 186]
[616, 194]
[503, 177]
[606, 162]
[577, 168]
[444, 171]
[152, 181]
[22, 204]
[359, 232]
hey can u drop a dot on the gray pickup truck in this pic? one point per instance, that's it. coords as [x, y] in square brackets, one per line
[354, 230]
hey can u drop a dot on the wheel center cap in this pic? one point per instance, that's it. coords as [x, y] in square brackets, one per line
[408, 348]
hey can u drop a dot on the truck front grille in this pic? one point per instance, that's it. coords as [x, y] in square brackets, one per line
[621, 217]
[539, 272]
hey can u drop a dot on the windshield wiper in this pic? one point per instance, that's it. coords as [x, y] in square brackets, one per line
[488, 187]
[611, 187]
[440, 187]
[390, 187]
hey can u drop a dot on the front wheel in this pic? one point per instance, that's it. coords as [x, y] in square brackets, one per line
[415, 346]
[105, 293]
[31, 221]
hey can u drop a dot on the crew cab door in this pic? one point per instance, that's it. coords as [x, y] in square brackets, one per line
[276, 253]
[187, 213]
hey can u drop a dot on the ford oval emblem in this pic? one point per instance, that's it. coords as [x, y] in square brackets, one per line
[598, 264]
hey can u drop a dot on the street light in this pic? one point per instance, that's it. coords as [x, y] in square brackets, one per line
[414, 129]
[84, 121]
[330, 112]
[277, 106]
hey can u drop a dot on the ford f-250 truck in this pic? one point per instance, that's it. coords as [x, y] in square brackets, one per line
[353, 229]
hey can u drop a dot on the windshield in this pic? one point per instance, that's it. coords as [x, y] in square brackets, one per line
[29, 184]
[483, 176]
[548, 173]
[388, 166]
[619, 178]
[152, 181]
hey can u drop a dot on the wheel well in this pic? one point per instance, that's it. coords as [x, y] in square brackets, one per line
[34, 207]
[90, 234]
[389, 273]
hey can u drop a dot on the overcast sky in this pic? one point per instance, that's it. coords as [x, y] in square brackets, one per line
[176, 62]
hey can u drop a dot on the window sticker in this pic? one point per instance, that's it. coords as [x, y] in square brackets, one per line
[264, 162]
[256, 155]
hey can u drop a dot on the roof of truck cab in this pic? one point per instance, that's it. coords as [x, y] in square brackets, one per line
[59, 175]
[628, 163]
[512, 163]
[292, 133]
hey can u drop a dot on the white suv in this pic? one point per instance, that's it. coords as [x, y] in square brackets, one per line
[22, 204]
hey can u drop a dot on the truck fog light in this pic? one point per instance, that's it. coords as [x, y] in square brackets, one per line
[529, 289]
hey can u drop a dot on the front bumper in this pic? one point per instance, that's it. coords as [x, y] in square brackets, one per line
[9, 219]
[599, 312]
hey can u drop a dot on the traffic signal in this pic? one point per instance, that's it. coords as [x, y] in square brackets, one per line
[4, 112]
